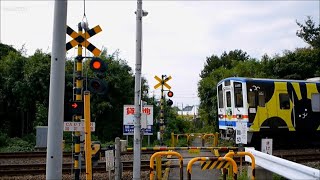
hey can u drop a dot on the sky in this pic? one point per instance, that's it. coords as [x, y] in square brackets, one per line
[178, 36]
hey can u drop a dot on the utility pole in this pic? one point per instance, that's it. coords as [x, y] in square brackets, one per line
[137, 94]
[56, 92]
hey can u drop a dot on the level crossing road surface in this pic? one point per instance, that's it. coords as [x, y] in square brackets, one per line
[197, 173]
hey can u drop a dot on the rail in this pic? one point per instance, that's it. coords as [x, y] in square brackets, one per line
[285, 168]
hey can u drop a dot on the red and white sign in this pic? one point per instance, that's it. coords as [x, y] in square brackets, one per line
[146, 114]
[77, 126]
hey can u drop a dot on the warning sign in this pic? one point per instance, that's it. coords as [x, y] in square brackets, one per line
[266, 146]
[77, 126]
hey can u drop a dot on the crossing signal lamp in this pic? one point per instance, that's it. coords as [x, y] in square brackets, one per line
[98, 85]
[76, 107]
[170, 102]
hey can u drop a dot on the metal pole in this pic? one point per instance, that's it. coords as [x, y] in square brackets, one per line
[56, 93]
[137, 96]
[117, 159]
[87, 122]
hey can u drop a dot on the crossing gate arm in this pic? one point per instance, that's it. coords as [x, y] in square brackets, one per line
[285, 168]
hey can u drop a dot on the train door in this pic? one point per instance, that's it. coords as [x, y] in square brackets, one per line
[262, 107]
[221, 110]
[228, 108]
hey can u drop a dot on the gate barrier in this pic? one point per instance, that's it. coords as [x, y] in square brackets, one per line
[164, 153]
[230, 160]
[203, 136]
[253, 165]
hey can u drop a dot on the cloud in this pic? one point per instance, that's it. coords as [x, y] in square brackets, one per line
[177, 35]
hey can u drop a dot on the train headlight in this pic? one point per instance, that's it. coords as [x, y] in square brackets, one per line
[239, 116]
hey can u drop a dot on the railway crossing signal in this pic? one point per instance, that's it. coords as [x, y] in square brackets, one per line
[99, 67]
[81, 39]
[163, 83]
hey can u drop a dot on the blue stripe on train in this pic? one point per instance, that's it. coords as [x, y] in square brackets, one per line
[230, 123]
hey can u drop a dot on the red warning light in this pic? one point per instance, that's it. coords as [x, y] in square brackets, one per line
[96, 65]
[170, 94]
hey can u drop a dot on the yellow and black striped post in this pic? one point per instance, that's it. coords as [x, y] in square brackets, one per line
[78, 97]
[162, 112]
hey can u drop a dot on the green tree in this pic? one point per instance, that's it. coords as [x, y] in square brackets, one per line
[309, 32]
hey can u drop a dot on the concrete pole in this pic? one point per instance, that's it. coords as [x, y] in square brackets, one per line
[56, 92]
[137, 93]
[117, 149]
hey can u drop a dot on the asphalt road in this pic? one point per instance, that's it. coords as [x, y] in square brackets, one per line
[197, 173]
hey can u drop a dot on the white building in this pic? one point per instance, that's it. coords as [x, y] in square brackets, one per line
[189, 111]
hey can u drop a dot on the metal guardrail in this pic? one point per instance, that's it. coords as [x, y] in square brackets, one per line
[285, 168]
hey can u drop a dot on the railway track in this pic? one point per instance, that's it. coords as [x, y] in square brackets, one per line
[40, 168]
[301, 157]
[67, 168]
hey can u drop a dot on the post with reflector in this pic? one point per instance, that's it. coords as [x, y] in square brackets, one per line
[87, 140]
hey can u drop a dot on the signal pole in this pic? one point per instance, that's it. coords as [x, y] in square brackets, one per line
[162, 111]
[78, 97]
[56, 93]
[137, 94]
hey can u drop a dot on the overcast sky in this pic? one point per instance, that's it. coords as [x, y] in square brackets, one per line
[177, 35]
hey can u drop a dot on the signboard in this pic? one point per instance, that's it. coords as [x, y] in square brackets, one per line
[77, 126]
[266, 146]
[109, 160]
[241, 132]
[129, 130]
[146, 119]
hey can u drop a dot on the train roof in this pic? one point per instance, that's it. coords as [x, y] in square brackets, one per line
[246, 79]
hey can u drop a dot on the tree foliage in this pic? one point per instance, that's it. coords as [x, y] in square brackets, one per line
[309, 32]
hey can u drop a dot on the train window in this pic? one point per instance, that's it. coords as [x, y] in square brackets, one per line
[227, 83]
[315, 102]
[238, 94]
[261, 99]
[252, 99]
[220, 96]
[284, 101]
[228, 96]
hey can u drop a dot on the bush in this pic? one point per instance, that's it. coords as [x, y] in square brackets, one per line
[3, 139]
[17, 145]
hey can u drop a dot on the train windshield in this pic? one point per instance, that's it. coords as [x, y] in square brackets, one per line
[238, 94]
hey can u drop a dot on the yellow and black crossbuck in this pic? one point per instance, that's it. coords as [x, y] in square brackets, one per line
[81, 38]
